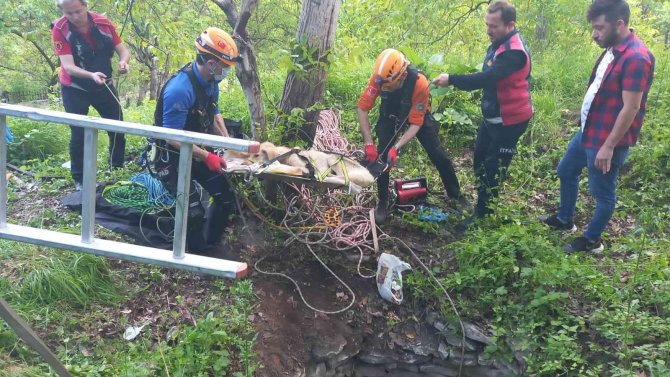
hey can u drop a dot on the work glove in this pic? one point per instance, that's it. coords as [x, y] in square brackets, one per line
[392, 157]
[371, 154]
[215, 163]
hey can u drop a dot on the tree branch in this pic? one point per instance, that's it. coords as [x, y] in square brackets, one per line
[245, 13]
[230, 10]
[458, 20]
[39, 49]
[30, 73]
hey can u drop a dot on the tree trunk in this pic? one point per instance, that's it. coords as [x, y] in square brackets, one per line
[153, 82]
[247, 69]
[316, 33]
[141, 93]
[247, 73]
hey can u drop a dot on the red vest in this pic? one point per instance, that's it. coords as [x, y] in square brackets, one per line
[93, 58]
[513, 91]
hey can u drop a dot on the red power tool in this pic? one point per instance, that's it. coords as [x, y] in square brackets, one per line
[412, 191]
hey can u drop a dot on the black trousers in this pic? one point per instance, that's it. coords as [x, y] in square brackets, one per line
[429, 138]
[77, 101]
[494, 148]
[216, 216]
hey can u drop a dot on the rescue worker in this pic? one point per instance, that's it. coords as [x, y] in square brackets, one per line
[405, 108]
[189, 101]
[85, 43]
[506, 105]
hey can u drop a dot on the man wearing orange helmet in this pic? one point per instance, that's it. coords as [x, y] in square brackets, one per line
[506, 104]
[405, 100]
[189, 101]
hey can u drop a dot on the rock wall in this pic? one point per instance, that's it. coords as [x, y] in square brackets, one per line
[434, 348]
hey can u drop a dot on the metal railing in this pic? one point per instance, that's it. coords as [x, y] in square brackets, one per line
[87, 243]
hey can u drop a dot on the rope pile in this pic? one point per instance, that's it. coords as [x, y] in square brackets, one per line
[157, 195]
[328, 137]
[329, 219]
[142, 193]
[128, 195]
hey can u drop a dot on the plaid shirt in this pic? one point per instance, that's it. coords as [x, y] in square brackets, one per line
[633, 70]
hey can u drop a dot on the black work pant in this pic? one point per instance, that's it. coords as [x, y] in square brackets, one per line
[216, 216]
[494, 148]
[429, 138]
[77, 101]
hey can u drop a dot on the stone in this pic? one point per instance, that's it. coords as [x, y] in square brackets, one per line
[474, 333]
[482, 371]
[483, 360]
[439, 370]
[402, 373]
[377, 356]
[424, 342]
[367, 370]
[508, 368]
[408, 367]
[441, 327]
[398, 339]
[511, 368]
[329, 347]
[317, 370]
[456, 341]
[443, 351]
[412, 358]
[346, 368]
[350, 350]
[469, 359]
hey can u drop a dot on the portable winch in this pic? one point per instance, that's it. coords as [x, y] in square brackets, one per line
[412, 191]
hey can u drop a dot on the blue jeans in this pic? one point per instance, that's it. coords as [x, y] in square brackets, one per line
[602, 186]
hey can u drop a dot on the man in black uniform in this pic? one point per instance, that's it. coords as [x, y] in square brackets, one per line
[405, 97]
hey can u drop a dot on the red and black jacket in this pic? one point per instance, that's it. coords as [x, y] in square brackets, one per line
[92, 59]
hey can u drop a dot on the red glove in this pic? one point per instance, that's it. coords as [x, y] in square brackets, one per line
[392, 157]
[371, 154]
[214, 163]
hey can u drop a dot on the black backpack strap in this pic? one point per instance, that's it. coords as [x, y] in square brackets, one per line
[408, 91]
[204, 104]
[158, 112]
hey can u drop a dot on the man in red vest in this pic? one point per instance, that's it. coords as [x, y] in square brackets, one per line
[506, 104]
[85, 43]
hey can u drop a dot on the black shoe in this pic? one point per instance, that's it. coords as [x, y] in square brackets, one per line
[557, 224]
[78, 186]
[584, 244]
[381, 213]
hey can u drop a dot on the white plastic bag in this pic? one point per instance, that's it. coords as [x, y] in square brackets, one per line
[389, 277]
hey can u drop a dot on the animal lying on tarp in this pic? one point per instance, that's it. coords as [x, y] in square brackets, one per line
[321, 166]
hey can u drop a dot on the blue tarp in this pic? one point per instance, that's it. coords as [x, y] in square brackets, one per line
[9, 137]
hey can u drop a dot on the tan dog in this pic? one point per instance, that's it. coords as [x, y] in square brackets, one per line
[328, 167]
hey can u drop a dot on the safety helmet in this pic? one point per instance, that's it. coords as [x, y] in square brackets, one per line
[390, 68]
[219, 44]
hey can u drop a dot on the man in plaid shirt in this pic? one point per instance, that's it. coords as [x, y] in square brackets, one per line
[612, 113]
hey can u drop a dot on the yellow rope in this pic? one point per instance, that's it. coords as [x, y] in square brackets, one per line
[269, 222]
[320, 176]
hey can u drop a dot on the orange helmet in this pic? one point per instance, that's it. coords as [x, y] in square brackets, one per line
[390, 68]
[219, 44]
